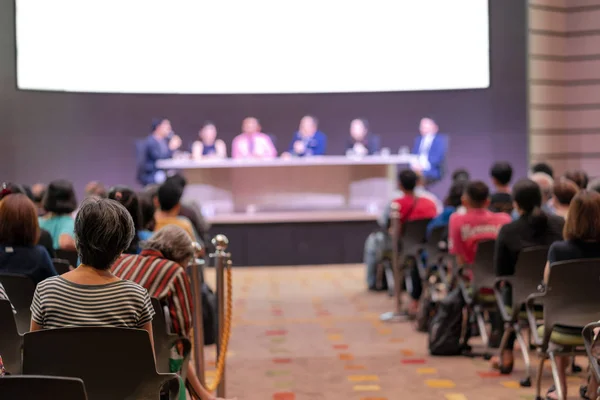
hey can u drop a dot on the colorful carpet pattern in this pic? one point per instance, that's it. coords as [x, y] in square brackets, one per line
[313, 333]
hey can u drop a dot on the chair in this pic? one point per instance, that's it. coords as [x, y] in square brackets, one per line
[588, 338]
[61, 266]
[570, 302]
[41, 387]
[436, 254]
[484, 277]
[114, 363]
[69, 255]
[11, 342]
[164, 340]
[20, 290]
[529, 273]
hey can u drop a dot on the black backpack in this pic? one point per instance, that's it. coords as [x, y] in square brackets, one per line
[209, 315]
[445, 328]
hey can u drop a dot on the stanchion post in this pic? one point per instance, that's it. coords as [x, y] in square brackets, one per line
[222, 261]
[195, 265]
[395, 227]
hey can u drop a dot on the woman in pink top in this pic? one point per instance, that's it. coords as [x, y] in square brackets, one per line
[252, 143]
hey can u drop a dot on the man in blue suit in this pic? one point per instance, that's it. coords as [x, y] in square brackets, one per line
[308, 140]
[159, 145]
[431, 148]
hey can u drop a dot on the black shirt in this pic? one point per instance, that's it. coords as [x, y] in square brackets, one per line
[501, 202]
[46, 242]
[519, 234]
[566, 250]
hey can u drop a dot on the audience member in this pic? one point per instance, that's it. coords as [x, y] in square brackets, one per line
[579, 177]
[361, 141]
[207, 145]
[501, 200]
[594, 185]
[308, 140]
[95, 188]
[160, 268]
[476, 224]
[534, 227]
[59, 202]
[461, 175]
[581, 240]
[103, 230]
[191, 211]
[546, 184]
[451, 204]
[128, 199]
[45, 240]
[563, 192]
[38, 191]
[19, 232]
[544, 168]
[147, 210]
[252, 143]
[169, 200]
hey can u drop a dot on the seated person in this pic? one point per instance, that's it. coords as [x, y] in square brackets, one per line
[581, 240]
[533, 228]
[546, 184]
[191, 211]
[129, 199]
[543, 168]
[563, 192]
[461, 175]
[578, 176]
[208, 146]
[169, 200]
[38, 191]
[95, 188]
[104, 229]
[59, 203]
[361, 141]
[160, 268]
[159, 145]
[451, 204]
[19, 231]
[308, 140]
[594, 185]
[252, 143]
[501, 200]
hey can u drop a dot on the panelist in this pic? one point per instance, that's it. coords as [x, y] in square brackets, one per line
[431, 148]
[252, 143]
[308, 140]
[159, 145]
[207, 145]
[361, 141]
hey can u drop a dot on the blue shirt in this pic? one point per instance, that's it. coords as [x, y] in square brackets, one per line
[314, 146]
[58, 225]
[32, 261]
[441, 220]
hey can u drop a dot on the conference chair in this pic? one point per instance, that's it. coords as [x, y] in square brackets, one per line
[11, 342]
[570, 301]
[61, 266]
[114, 363]
[591, 348]
[529, 273]
[69, 255]
[164, 340]
[483, 278]
[20, 290]
[41, 387]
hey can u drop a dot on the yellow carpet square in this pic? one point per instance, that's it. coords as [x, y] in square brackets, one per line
[511, 385]
[440, 383]
[334, 337]
[426, 371]
[456, 396]
[366, 388]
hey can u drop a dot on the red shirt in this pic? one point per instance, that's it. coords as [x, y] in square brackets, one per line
[412, 208]
[468, 229]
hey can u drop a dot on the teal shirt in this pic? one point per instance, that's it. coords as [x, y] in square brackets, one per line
[57, 226]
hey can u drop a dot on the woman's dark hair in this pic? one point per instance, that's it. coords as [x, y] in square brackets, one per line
[454, 198]
[583, 219]
[147, 210]
[542, 167]
[461, 175]
[528, 196]
[564, 190]
[579, 177]
[129, 199]
[103, 231]
[60, 197]
[19, 218]
[7, 188]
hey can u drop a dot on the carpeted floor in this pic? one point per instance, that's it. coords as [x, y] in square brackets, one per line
[313, 333]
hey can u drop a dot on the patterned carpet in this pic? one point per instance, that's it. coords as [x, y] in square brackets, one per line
[313, 333]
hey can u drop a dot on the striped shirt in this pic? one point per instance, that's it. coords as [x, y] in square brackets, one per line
[4, 296]
[59, 303]
[165, 280]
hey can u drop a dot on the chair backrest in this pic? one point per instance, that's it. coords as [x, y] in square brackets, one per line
[529, 274]
[11, 343]
[571, 293]
[20, 290]
[114, 363]
[69, 255]
[484, 275]
[413, 237]
[61, 266]
[432, 246]
[41, 387]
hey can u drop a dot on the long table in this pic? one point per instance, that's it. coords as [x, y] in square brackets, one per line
[247, 187]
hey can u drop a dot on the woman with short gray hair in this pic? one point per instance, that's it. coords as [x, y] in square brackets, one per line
[91, 295]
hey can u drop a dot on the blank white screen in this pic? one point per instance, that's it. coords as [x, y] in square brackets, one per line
[252, 46]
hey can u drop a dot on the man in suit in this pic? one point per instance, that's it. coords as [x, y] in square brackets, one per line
[159, 145]
[308, 140]
[431, 148]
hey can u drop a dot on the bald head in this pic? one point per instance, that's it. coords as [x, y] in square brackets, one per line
[546, 184]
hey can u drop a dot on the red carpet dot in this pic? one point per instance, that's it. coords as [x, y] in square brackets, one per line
[279, 332]
[413, 361]
[282, 360]
[284, 396]
[277, 313]
[341, 347]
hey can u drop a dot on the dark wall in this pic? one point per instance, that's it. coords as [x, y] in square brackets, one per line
[90, 136]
